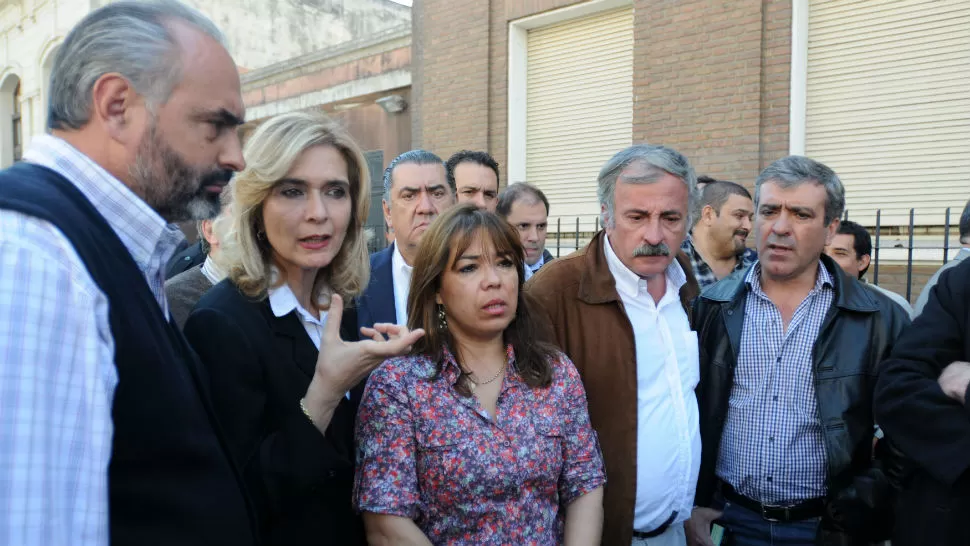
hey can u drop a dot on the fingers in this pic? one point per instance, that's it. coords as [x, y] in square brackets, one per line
[371, 333]
[396, 345]
[331, 329]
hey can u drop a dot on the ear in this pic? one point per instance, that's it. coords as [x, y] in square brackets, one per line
[607, 221]
[118, 108]
[387, 213]
[864, 262]
[207, 233]
[708, 213]
[831, 230]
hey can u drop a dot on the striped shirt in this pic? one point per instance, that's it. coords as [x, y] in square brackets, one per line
[772, 449]
[57, 372]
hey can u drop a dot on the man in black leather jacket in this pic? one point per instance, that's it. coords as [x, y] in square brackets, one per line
[789, 352]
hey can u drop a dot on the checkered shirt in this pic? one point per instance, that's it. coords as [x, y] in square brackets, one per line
[57, 373]
[703, 272]
[772, 449]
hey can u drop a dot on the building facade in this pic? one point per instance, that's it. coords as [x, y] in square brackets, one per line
[880, 91]
[277, 45]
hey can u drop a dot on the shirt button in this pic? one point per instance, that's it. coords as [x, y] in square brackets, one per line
[730, 312]
[775, 398]
[508, 443]
[779, 360]
[771, 438]
[769, 478]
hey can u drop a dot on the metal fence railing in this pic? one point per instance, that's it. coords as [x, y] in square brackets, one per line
[900, 256]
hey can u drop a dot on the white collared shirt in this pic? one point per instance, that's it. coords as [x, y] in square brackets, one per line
[531, 270]
[212, 271]
[283, 302]
[401, 273]
[668, 433]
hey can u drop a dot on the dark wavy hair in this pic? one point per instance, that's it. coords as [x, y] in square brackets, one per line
[446, 239]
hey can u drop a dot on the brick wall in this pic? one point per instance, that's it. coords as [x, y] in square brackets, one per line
[710, 79]
[454, 69]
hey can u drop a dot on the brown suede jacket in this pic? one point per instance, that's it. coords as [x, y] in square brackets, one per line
[577, 296]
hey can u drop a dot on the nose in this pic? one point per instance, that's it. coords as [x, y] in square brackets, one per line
[531, 235]
[491, 278]
[782, 225]
[479, 201]
[746, 223]
[652, 233]
[425, 205]
[232, 157]
[316, 207]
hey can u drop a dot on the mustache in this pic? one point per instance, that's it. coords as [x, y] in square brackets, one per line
[780, 241]
[660, 249]
[219, 177]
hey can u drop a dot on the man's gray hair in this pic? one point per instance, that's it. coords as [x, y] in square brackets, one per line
[658, 160]
[795, 170]
[417, 157]
[128, 37]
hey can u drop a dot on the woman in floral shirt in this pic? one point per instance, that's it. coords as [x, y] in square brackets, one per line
[481, 436]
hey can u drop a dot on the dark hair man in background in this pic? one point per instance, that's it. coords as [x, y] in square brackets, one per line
[851, 248]
[722, 222]
[527, 209]
[474, 177]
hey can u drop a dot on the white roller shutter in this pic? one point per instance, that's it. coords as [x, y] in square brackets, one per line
[888, 104]
[579, 108]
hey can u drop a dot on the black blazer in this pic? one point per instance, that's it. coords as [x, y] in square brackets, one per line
[927, 425]
[260, 366]
[376, 304]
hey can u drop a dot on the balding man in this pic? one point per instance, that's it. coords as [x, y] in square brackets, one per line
[106, 432]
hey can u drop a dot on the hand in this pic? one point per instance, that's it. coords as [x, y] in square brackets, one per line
[698, 527]
[341, 365]
[954, 381]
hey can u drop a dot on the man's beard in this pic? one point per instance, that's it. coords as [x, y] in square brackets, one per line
[739, 246]
[172, 187]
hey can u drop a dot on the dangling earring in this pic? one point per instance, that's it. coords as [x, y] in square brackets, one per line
[442, 318]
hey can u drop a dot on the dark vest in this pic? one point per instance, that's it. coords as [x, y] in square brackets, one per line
[170, 479]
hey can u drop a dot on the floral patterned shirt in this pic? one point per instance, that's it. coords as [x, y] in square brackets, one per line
[427, 453]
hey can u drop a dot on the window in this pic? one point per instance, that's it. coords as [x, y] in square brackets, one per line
[18, 135]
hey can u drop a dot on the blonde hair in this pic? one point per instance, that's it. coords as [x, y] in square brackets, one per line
[270, 153]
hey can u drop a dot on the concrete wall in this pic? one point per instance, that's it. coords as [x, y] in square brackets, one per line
[259, 32]
[264, 32]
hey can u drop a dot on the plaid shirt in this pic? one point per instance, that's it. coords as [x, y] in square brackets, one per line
[57, 372]
[772, 449]
[703, 272]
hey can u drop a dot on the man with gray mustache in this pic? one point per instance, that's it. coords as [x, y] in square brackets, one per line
[618, 308]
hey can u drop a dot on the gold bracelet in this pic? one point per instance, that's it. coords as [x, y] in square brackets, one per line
[306, 411]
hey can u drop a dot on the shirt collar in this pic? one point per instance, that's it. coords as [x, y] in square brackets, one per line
[143, 232]
[212, 271]
[397, 261]
[535, 267]
[282, 301]
[822, 280]
[628, 282]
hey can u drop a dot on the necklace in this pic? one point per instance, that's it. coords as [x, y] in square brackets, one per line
[474, 383]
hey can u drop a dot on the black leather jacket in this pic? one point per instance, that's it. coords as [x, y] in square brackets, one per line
[857, 334]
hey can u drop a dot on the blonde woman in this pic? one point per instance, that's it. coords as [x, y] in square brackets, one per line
[285, 383]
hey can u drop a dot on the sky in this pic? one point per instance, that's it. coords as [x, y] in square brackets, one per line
[404, 2]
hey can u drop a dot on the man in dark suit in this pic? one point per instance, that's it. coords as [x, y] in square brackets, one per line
[527, 209]
[921, 403]
[416, 190]
[186, 288]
